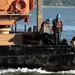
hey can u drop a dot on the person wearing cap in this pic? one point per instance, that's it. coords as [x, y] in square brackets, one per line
[57, 29]
[47, 21]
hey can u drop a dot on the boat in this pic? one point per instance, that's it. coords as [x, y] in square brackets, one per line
[31, 49]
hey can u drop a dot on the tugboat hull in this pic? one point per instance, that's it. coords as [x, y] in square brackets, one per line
[50, 58]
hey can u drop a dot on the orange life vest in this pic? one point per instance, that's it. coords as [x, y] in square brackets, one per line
[58, 24]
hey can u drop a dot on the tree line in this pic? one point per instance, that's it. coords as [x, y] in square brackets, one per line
[58, 2]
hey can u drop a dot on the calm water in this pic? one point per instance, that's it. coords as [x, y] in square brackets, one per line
[68, 19]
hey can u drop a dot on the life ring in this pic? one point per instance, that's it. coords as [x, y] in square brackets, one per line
[23, 3]
[31, 4]
[11, 8]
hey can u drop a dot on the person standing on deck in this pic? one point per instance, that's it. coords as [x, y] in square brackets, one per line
[47, 21]
[57, 29]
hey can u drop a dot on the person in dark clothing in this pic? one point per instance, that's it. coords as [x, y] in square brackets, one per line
[47, 21]
[57, 29]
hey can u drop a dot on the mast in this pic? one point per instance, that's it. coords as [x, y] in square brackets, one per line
[39, 14]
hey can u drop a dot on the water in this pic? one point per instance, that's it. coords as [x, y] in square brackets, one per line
[25, 71]
[68, 19]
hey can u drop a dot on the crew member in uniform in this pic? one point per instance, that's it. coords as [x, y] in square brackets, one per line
[57, 29]
[47, 21]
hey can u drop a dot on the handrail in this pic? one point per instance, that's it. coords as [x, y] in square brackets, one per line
[15, 14]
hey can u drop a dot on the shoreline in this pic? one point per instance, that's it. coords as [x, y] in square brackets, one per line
[58, 6]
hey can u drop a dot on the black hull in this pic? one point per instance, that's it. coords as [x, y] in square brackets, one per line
[50, 58]
[58, 68]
